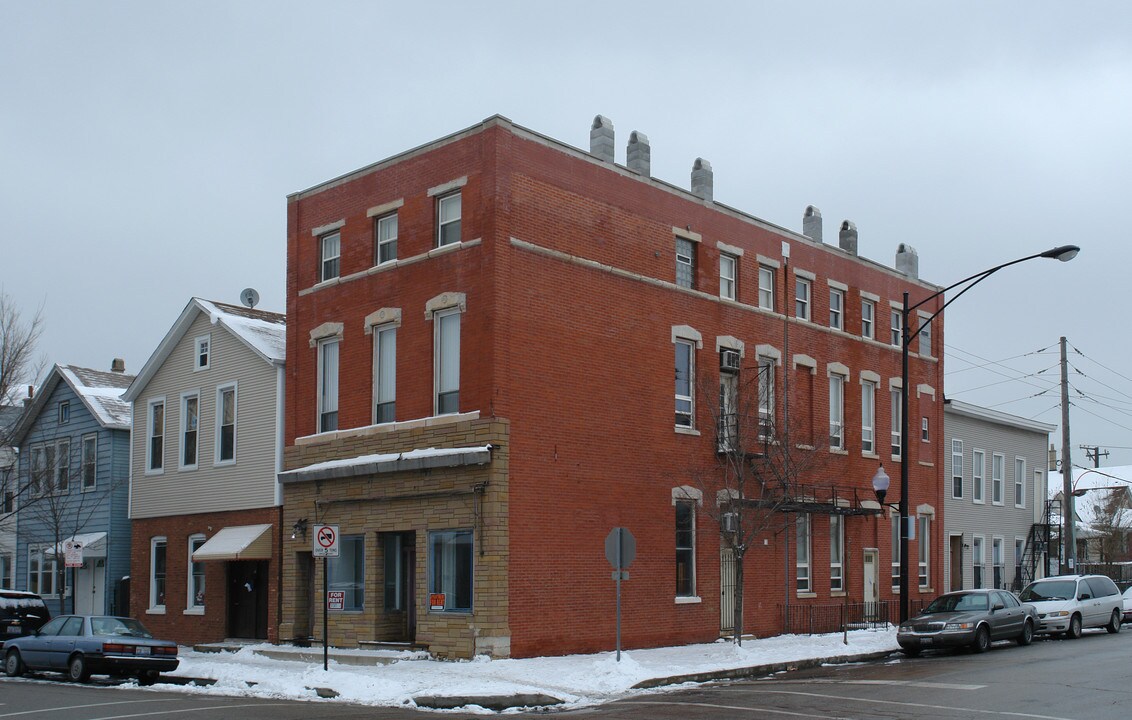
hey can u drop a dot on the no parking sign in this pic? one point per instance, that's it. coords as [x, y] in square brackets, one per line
[325, 541]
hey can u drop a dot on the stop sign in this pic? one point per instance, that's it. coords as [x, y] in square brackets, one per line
[620, 548]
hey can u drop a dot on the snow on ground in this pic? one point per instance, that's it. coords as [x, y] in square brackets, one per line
[579, 680]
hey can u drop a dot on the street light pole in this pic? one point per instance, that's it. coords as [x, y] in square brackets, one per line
[1063, 253]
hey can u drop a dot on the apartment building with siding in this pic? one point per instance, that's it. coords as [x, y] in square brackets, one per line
[500, 347]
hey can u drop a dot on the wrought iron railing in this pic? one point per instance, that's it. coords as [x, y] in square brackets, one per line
[817, 619]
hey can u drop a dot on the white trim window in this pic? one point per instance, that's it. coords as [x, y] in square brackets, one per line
[766, 287]
[330, 250]
[1019, 552]
[836, 553]
[925, 336]
[925, 542]
[957, 468]
[384, 374]
[897, 325]
[202, 347]
[978, 562]
[64, 412]
[194, 601]
[448, 211]
[802, 287]
[685, 383]
[226, 405]
[42, 468]
[728, 276]
[1019, 482]
[896, 407]
[190, 430]
[894, 521]
[802, 553]
[447, 368]
[685, 263]
[836, 411]
[837, 308]
[155, 441]
[728, 431]
[42, 571]
[89, 462]
[157, 566]
[868, 318]
[998, 566]
[998, 477]
[978, 480]
[766, 397]
[62, 473]
[7, 570]
[328, 384]
[924, 435]
[868, 416]
[385, 238]
[685, 548]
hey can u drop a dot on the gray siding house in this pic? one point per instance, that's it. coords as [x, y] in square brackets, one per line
[995, 510]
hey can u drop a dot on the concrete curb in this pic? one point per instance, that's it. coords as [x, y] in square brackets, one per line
[752, 670]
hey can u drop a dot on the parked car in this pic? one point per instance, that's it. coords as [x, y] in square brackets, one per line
[968, 618]
[21, 613]
[1128, 604]
[82, 645]
[1068, 603]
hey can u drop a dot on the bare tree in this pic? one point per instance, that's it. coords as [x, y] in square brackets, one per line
[19, 361]
[753, 480]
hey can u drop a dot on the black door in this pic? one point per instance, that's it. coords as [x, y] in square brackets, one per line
[247, 599]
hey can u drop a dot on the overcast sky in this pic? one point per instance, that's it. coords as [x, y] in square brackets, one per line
[147, 149]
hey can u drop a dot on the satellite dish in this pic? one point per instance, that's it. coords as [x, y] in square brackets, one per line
[249, 297]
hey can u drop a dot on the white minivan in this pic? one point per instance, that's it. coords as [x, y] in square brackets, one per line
[1069, 603]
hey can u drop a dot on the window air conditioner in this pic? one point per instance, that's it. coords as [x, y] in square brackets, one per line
[729, 361]
[729, 523]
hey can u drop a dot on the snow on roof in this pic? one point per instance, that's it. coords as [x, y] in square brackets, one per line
[1106, 499]
[101, 392]
[265, 332]
[390, 462]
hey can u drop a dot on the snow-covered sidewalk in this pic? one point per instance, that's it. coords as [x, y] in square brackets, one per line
[577, 680]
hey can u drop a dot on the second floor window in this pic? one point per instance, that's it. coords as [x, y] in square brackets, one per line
[330, 249]
[802, 298]
[868, 416]
[766, 397]
[868, 318]
[448, 209]
[190, 420]
[447, 362]
[385, 375]
[998, 477]
[766, 287]
[1019, 482]
[896, 407]
[386, 230]
[836, 412]
[62, 465]
[328, 385]
[897, 326]
[226, 424]
[837, 309]
[978, 461]
[728, 271]
[684, 383]
[685, 263]
[155, 449]
[956, 468]
[89, 462]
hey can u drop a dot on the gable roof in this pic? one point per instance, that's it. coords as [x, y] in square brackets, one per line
[100, 392]
[263, 332]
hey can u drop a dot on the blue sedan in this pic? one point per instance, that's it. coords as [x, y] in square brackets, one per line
[82, 645]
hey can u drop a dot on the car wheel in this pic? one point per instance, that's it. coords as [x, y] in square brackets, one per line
[1074, 630]
[77, 670]
[1027, 635]
[982, 640]
[147, 677]
[13, 664]
[1114, 622]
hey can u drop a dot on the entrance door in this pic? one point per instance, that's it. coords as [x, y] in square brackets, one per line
[726, 591]
[871, 581]
[247, 599]
[90, 587]
[956, 564]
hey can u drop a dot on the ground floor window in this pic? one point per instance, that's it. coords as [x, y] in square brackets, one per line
[41, 570]
[196, 574]
[802, 527]
[685, 549]
[450, 570]
[157, 547]
[7, 571]
[347, 572]
[393, 544]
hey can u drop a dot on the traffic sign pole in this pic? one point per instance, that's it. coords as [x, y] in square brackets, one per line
[325, 614]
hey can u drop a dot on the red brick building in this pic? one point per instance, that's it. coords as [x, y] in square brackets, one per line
[501, 347]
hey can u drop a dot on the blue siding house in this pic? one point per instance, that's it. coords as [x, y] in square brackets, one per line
[73, 467]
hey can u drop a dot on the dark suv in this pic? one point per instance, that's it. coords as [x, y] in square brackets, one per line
[21, 613]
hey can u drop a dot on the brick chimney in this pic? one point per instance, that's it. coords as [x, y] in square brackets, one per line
[601, 138]
[847, 238]
[639, 155]
[118, 365]
[702, 179]
[811, 223]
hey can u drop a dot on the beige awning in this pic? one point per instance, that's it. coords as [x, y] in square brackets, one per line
[240, 542]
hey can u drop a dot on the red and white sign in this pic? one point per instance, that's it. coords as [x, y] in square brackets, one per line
[436, 601]
[73, 553]
[325, 541]
[336, 600]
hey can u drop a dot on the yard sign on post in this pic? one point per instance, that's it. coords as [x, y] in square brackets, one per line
[620, 549]
[325, 545]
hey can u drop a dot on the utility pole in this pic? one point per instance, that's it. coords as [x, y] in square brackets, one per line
[1068, 513]
[1093, 452]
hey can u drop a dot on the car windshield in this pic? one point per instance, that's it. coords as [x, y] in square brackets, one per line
[1050, 590]
[957, 602]
[117, 626]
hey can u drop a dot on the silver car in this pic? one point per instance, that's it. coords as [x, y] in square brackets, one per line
[968, 618]
[1068, 603]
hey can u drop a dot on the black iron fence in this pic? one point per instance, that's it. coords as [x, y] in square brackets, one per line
[818, 619]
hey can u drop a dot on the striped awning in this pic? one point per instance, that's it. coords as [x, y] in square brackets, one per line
[239, 542]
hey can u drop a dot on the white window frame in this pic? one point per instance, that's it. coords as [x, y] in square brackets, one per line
[7, 570]
[924, 548]
[685, 402]
[444, 203]
[836, 553]
[894, 522]
[685, 263]
[220, 424]
[925, 336]
[766, 397]
[383, 240]
[837, 308]
[37, 556]
[766, 287]
[978, 476]
[803, 296]
[330, 256]
[837, 383]
[64, 412]
[384, 337]
[194, 604]
[329, 363]
[868, 416]
[868, 318]
[896, 407]
[151, 435]
[155, 607]
[925, 436]
[998, 478]
[956, 467]
[802, 555]
[978, 561]
[689, 551]
[1019, 482]
[41, 468]
[202, 352]
[728, 431]
[728, 276]
[184, 430]
[61, 473]
[446, 357]
[88, 440]
[998, 563]
[897, 326]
